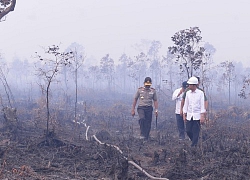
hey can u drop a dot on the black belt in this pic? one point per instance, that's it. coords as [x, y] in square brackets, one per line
[144, 106]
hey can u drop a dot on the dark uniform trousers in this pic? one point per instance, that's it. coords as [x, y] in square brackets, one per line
[193, 130]
[145, 115]
[180, 126]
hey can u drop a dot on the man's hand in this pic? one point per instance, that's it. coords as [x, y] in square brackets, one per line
[202, 119]
[133, 112]
[182, 90]
[205, 115]
[156, 112]
[184, 117]
[181, 112]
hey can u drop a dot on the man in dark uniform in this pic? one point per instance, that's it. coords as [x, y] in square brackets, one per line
[146, 96]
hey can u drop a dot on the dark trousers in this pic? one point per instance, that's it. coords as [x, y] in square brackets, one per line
[193, 130]
[145, 115]
[180, 126]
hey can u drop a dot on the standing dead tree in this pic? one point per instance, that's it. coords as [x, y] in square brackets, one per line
[107, 67]
[155, 66]
[48, 70]
[137, 68]
[9, 110]
[168, 65]
[228, 76]
[7, 89]
[76, 62]
[6, 6]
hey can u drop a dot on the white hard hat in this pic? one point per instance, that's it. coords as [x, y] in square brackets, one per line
[193, 80]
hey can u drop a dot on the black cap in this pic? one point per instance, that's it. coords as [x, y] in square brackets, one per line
[185, 84]
[147, 81]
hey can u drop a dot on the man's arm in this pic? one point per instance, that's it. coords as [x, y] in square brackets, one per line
[133, 107]
[203, 109]
[183, 101]
[205, 101]
[206, 105]
[177, 94]
[182, 104]
[174, 96]
[156, 107]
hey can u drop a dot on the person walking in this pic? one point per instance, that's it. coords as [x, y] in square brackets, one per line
[184, 96]
[147, 97]
[177, 97]
[194, 110]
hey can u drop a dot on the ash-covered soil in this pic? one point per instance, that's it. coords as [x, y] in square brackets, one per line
[71, 151]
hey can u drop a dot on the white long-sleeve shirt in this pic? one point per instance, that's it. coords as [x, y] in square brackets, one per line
[177, 100]
[194, 104]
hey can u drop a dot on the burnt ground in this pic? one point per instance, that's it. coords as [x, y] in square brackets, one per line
[71, 153]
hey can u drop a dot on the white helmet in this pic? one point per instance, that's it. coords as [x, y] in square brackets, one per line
[193, 80]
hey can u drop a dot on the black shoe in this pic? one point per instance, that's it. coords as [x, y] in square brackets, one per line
[194, 145]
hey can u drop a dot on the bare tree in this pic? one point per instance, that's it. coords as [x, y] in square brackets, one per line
[76, 63]
[48, 71]
[95, 75]
[7, 89]
[124, 59]
[3, 79]
[138, 67]
[206, 66]
[207, 73]
[170, 69]
[228, 75]
[6, 6]
[155, 62]
[107, 67]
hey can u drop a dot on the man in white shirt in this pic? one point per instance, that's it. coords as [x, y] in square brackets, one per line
[177, 97]
[194, 110]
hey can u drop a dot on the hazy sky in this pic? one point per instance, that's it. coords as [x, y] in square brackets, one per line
[115, 26]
